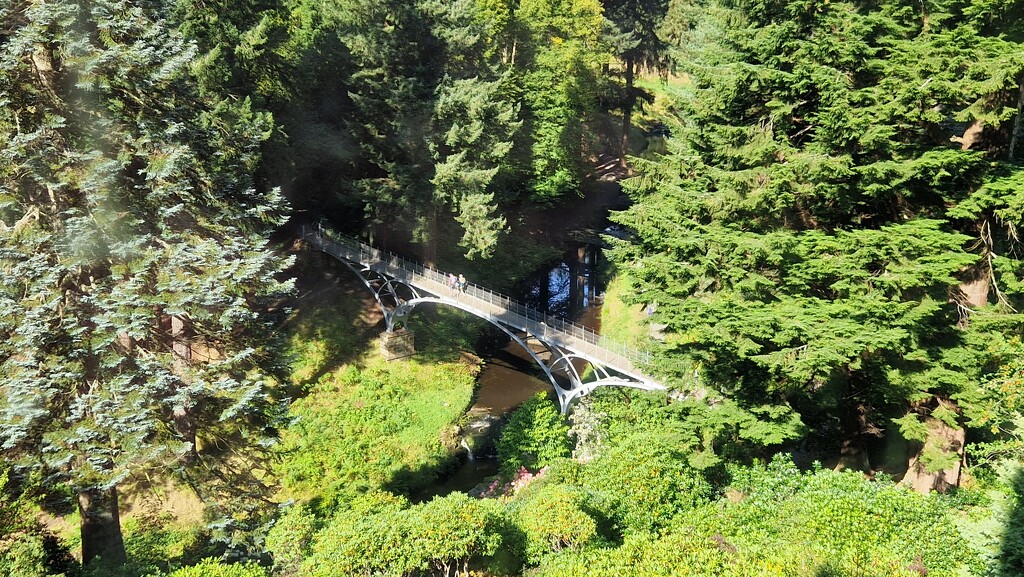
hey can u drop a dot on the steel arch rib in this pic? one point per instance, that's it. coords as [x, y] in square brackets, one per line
[564, 395]
[604, 376]
[388, 283]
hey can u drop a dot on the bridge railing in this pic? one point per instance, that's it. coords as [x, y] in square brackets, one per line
[567, 333]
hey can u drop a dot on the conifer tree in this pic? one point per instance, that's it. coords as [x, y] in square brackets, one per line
[472, 130]
[136, 270]
[637, 43]
[560, 84]
[836, 225]
[434, 131]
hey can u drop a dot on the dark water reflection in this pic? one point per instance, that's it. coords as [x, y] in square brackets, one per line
[565, 287]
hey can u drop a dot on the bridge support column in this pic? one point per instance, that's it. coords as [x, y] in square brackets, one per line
[397, 344]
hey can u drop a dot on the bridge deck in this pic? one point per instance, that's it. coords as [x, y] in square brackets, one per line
[478, 300]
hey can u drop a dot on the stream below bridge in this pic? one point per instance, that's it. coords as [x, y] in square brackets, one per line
[569, 288]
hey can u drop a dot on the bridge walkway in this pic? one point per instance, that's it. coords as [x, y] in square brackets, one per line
[580, 341]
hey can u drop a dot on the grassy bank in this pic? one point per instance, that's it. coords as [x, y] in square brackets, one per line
[620, 321]
[361, 422]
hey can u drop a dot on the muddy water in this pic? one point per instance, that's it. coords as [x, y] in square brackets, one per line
[506, 381]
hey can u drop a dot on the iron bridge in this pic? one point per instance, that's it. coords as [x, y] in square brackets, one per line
[399, 285]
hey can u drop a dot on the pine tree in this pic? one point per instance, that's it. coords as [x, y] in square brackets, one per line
[636, 41]
[561, 87]
[837, 182]
[435, 131]
[472, 130]
[137, 274]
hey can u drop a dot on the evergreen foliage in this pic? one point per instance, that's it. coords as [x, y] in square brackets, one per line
[561, 88]
[137, 275]
[637, 41]
[822, 233]
[829, 243]
[435, 132]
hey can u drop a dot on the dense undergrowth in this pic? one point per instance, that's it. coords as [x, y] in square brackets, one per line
[631, 483]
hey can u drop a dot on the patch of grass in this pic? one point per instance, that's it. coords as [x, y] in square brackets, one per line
[333, 320]
[324, 337]
[443, 333]
[620, 321]
[160, 541]
[366, 423]
[360, 428]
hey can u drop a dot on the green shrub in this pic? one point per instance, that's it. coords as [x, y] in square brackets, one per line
[552, 519]
[216, 568]
[780, 522]
[535, 435]
[382, 535]
[289, 540]
[827, 523]
[27, 549]
[1011, 555]
[22, 555]
[642, 483]
[159, 542]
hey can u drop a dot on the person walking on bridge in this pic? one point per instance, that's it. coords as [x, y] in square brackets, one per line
[452, 283]
[462, 283]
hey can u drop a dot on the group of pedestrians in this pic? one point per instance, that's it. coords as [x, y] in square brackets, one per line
[456, 284]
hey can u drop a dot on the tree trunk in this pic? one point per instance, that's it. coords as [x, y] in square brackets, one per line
[941, 438]
[430, 246]
[101, 526]
[182, 413]
[627, 111]
[42, 64]
[857, 431]
[1018, 123]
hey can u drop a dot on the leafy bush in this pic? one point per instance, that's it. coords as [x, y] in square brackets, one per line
[535, 435]
[1011, 555]
[216, 568]
[779, 521]
[369, 538]
[289, 540]
[552, 519]
[155, 541]
[643, 483]
[381, 535]
[833, 523]
[27, 549]
[454, 529]
[22, 555]
[676, 554]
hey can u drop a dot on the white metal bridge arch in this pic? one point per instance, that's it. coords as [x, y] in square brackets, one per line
[399, 285]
